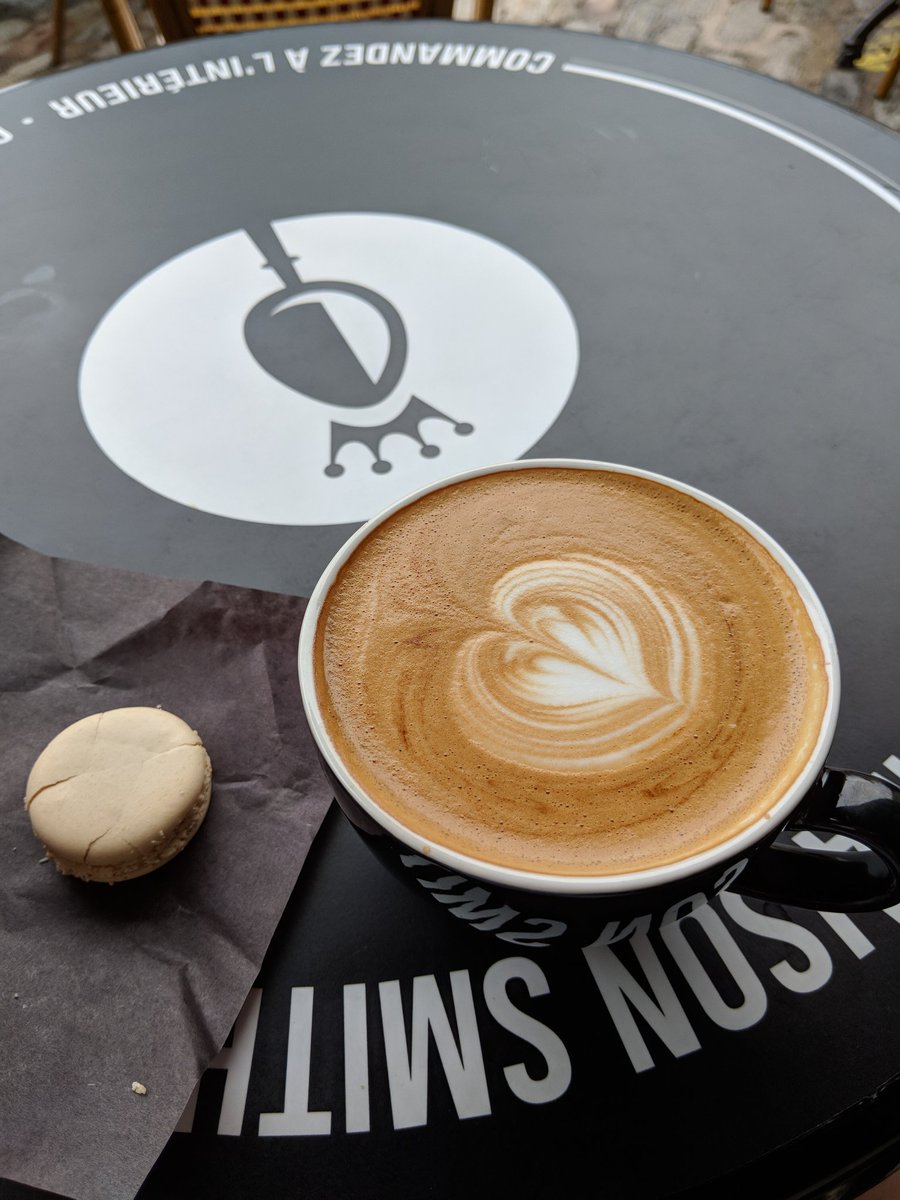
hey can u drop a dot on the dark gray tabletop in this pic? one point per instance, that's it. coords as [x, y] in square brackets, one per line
[490, 242]
[593, 249]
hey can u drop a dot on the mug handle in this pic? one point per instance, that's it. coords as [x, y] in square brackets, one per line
[859, 806]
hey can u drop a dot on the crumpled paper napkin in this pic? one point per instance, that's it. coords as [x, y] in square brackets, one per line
[101, 986]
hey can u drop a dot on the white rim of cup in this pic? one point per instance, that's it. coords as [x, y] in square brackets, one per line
[537, 881]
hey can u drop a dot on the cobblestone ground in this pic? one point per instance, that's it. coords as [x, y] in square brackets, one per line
[796, 41]
[26, 31]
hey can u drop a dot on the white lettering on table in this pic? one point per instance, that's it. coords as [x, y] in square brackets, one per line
[266, 59]
[638, 998]
[66, 108]
[541, 62]
[235, 1061]
[549, 1045]
[444, 54]
[216, 69]
[458, 55]
[297, 59]
[516, 60]
[356, 1059]
[296, 1120]
[892, 764]
[849, 933]
[753, 1004]
[489, 56]
[174, 80]
[89, 100]
[149, 85]
[463, 1065]
[402, 53]
[113, 93]
[659, 1007]
[171, 79]
[778, 929]
[193, 78]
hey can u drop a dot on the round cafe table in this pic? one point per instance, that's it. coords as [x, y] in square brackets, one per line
[254, 288]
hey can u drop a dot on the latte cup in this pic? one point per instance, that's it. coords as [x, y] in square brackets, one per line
[532, 907]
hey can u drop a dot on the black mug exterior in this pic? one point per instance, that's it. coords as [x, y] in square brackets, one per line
[863, 807]
[859, 806]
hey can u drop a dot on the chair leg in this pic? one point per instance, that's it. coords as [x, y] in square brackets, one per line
[125, 28]
[172, 20]
[886, 82]
[57, 46]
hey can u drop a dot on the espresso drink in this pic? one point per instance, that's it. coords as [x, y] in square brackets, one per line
[569, 671]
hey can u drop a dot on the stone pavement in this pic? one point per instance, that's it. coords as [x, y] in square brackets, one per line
[26, 31]
[797, 41]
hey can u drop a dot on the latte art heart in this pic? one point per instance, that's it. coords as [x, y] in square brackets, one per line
[568, 670]
[587, 666]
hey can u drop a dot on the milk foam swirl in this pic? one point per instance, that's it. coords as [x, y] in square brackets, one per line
[574, 671]
[589, 666]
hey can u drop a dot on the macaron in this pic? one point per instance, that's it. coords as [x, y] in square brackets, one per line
[119, 793]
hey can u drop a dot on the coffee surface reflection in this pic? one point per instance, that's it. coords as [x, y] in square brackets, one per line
[569, 671]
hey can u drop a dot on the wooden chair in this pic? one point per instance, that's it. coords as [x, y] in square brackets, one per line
[121, 20]
[179, 19]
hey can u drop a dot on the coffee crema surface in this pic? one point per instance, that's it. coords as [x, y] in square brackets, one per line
[570, 671]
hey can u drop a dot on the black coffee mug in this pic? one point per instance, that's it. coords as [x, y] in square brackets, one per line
[531, 909]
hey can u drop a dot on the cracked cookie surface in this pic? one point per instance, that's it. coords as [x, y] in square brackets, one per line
[119, 793]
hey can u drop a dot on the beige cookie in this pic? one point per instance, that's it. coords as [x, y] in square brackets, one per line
[119, 793]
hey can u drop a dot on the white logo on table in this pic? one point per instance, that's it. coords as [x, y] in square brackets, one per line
[313, 370]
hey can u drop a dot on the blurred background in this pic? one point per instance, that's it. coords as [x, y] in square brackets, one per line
[798, 41]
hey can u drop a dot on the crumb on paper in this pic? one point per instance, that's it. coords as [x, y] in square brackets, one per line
[138, 1089]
